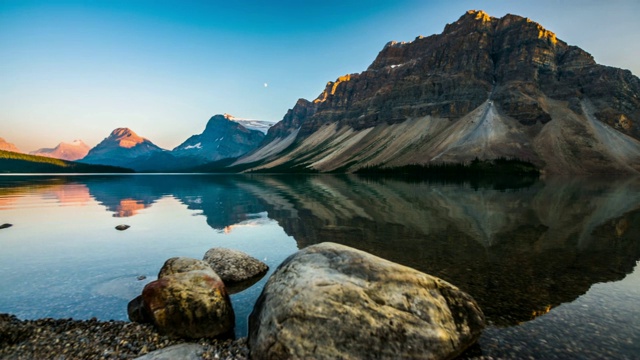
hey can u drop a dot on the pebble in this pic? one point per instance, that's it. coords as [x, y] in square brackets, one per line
[4, 226]
[93, 339]
[122, 227]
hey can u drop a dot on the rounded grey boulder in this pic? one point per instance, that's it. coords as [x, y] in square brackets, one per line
[234, 266]
[331, 301]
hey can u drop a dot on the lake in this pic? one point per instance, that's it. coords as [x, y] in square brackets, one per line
[553, 263]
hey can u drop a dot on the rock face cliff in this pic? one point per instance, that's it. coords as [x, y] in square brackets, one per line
[222, 138]
[66, 151]
[486, 87]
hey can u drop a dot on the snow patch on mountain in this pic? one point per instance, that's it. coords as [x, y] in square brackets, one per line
[196, 146]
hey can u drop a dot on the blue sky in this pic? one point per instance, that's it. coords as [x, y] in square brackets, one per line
[79, 69]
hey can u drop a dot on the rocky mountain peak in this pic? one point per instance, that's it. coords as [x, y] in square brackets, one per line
[7, 146]
[122, 147]
[223, 137]
[219, 121]
[471, 20]
[125, 138]
[331, 87]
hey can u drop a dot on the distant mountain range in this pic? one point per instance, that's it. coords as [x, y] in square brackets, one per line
[485, 88]
[223, 137]
[65, 151]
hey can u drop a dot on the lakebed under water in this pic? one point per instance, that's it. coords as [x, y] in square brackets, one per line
[553, 263]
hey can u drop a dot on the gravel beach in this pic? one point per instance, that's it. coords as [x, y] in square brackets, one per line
[94, 339]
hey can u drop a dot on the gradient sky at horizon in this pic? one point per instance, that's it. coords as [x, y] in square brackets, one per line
[79, 69]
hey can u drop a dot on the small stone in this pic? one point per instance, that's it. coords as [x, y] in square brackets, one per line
[6, 225]
[141, 277]
[122, 227]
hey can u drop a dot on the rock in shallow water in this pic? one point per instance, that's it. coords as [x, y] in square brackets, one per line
[188, 300]
[4, 226]
[234, 266]
[122, 227]
[177, 265]
[331, 301]
[192, 304]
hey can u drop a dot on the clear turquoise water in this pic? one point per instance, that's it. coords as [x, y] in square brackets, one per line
[553, 264]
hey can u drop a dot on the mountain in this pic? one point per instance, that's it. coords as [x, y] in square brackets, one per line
[485, 87]
[223, 137]
[65, 151]
[125, 148]
[12, 162]
[7, 146]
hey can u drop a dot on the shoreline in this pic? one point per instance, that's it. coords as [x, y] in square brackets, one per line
[50, 338]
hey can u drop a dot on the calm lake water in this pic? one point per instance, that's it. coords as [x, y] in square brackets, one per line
[553, 264]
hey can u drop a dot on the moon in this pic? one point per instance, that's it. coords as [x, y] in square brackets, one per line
[266, 85]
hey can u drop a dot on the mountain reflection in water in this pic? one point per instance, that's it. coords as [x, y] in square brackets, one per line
[519, 252]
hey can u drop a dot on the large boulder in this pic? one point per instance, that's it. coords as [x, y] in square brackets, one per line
[188, 300]
[234, 266]
[330, 301]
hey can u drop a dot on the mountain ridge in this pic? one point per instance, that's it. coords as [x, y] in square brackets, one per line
[223, 137]
[485, 87]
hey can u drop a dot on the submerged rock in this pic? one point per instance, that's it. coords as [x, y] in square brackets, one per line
[122, 227]
[234, 266]
[332, 301]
